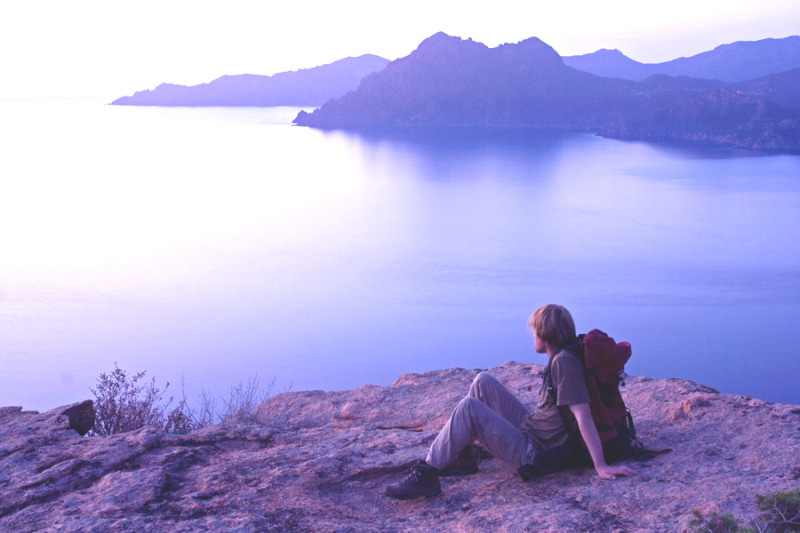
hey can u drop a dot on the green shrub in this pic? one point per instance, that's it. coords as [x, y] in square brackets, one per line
[779, 513]
[714, 523]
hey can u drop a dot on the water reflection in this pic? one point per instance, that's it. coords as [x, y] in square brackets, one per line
[216, 244]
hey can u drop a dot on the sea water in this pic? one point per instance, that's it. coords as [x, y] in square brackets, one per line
[210, 246]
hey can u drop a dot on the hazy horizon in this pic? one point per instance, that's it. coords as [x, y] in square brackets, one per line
[93, 49]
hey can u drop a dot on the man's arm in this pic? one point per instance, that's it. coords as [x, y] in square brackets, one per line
[592, 439]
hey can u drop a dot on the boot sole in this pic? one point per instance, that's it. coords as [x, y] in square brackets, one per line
[463, 471]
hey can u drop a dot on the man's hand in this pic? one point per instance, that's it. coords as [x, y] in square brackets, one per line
[589, 433]
[611, 472]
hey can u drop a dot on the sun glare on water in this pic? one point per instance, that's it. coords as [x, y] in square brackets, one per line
[83, 199]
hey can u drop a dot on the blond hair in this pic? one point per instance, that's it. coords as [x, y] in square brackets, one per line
[553, 324]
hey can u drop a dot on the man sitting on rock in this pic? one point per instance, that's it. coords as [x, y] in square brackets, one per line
[529, 442]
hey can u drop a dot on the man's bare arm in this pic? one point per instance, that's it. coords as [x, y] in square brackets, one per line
[592, 439]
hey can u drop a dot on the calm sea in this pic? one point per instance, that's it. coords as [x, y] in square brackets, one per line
[214, 245]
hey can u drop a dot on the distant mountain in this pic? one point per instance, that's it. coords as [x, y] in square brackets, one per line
[782, 88]
[448, 81]
[733, 62]
[308, 87]
[612, 64]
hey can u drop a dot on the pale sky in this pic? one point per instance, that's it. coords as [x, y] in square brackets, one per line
[109, 48]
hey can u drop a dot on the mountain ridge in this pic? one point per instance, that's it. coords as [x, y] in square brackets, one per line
[733, 62]
[307, 87]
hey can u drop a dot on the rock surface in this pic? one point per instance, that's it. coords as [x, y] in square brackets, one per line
[319, 461]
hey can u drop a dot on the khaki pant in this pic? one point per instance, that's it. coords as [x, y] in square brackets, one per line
[490, 414]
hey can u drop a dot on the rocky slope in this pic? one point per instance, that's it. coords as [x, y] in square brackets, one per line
[318, 461]
[782, 88]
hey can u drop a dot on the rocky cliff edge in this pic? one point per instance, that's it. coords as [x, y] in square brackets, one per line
[319, 461]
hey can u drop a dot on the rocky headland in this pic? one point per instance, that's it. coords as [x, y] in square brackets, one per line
[319, 461]
[453, 82]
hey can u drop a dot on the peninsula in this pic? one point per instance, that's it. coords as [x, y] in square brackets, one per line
[305, 87]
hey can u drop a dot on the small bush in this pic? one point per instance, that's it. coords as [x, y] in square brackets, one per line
[714, 523]
[780, 511]
[124, 403]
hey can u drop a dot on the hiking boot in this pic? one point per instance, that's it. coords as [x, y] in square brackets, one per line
[423, 480]
[464, 464]
[527, 472]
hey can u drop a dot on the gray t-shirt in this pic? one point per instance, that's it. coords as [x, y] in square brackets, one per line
[544, 427]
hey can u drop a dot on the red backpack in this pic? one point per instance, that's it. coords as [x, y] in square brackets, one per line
[604, 369]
